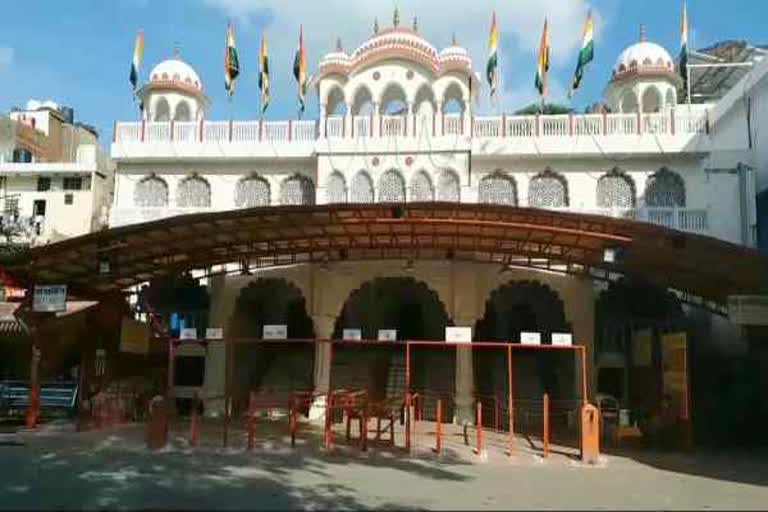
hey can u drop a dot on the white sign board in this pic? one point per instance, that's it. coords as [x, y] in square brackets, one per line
[275, 332]
[387, 334]
[748, 309]
[352, 334]
[50, 299]
[214, 333]
[188, 333]
[562, 339]
[458, 334]
[530, 338]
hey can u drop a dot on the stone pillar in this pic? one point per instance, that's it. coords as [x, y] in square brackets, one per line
[579, 302]
[465, 378]
[348, 120]
[222, 300]
[323, 330]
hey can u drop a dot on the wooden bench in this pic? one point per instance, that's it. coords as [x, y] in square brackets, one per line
[60, 397]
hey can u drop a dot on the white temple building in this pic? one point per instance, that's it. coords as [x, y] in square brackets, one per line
[396, 125]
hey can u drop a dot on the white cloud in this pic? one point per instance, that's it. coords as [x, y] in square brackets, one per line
[6, 55]
[520, 23]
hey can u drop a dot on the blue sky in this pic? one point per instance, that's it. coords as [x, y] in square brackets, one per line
[78, 52]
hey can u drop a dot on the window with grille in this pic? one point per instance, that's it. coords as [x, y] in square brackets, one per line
[498, 188]
[193, 192]
[43, 184]
[362, 188]
[391, 187]
[548, 190]
[615, 190]
[252, 191]
[421, 187]
[336, 189]
[151, 192]
[665, 189]
[448, 186]
[297, 190]
[73, 183]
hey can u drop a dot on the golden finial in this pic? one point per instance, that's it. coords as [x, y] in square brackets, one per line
[453, 40]
[415, 24]
[176, 51]
[338, 44]
[396, 17]
[642, 32]
[375, 25]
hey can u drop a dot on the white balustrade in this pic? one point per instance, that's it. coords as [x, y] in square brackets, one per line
[245, 131]
[304, 131]
[622, 124]
[393, 126]
[555, 126]
[487, 127]
[334, 127]
[275, 131]
[452, 124]
[216, 131]
[521, 126]
[588, 124]
[681, 121]
[128, 132]
[185, 132]
[362, 126]
[158, 131]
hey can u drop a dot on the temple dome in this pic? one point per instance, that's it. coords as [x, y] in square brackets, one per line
[175, 71]
[643, 57]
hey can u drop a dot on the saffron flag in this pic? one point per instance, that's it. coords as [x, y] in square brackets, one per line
[300, 71]
[684, 50]
[264, 74]
[231, 63]
[542, 63]
[586, 54]
[138, 55]
[492, 68]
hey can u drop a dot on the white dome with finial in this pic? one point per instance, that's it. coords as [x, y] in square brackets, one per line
[175, 71]
[643, 56]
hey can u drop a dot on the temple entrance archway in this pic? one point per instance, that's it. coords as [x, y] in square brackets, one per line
[515, 307]
[416, 312]
[272, 365]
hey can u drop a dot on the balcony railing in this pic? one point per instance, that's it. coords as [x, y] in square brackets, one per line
[679, 121]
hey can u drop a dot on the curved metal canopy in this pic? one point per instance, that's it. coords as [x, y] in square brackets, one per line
[117, 258]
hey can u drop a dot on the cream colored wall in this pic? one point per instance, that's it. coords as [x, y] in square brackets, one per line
[463, 289]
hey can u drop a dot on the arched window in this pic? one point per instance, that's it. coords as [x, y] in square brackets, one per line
[335, 104]
[453, 99]
[652, 100]
[162, 110]
[498, 188]
[252, 191]
[421, 187]
[615, 190]
[448, 186]
[629, 103]
[363, 102]
[193, 192]
[183, 114]
[297, 189]
[391, 187]
[671, 98]
[548, 190]
[151, 192]
[362, 188]
[665, 189]
[393, 101]
[336, 189]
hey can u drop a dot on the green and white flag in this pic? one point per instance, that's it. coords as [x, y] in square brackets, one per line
[586, 54]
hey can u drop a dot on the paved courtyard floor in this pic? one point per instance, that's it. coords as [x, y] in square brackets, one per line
[58, 468]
